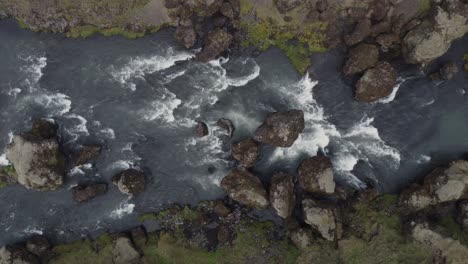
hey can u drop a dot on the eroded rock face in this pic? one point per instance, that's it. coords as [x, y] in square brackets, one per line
[321, 217]
[186, 35]
[38, 162]
[123, 252]
[441, 185]
[376, 83]
[216, 43]
[246, 152]
[361, 58]
[17, 255]
[282, 197]
[315, 175]
[131, 181]
[84, 193]
[281, 129]
[245, 188]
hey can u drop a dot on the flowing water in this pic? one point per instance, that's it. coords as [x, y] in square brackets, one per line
[140, 99]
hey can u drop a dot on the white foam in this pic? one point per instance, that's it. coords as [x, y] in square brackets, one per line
[56, 104]
[14, 92]
[79, 129]
[121, 165]
[423, 159]
[32, 230]
[124, 208]
[33, 69]
[163, 108]
[3, 160]
[79, 170]
[392, 96]
[107, 132]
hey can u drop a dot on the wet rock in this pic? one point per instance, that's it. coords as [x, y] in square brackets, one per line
[321, 217]
[123, 252]
[246, 152]
[186, 35]
[361, 32]
[285, 6]
[86, 154]
[376, 83]
[17, 255]
[201, 129]
[84, 193]
[216, 43]
[245, 188]
[361, 58]
[282, 197]
[315, 175]
[227, 125]
[301, 238]
[448, 71]
[227, 10]
[38, 245]
[281, 129]
[130, 181]
[321, 5]
[441, 185]
[38, 162]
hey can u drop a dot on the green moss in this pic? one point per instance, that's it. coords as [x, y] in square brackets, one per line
[88, 31]
[121, 32]
[82, 32]
[147, 217]
[424, 5]
[453, 229]
[7, 175]
[465, 60]
[84, 251]
[22, 24]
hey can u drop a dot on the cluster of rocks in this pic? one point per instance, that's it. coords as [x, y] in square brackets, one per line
[35, 250]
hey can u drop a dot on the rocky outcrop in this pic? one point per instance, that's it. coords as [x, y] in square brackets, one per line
[315, 175]
[361, 58]
[244, 187]
[321, 217]
[186, 35]
[441, 185]
[38, 162]
[246, 152]
[86, 154]
[227, 125]
[282, 197]
[376, 83]
[433, 37]
[201, 129]
[130, 181]
[84, 193]
[38, 245]
[216, 42]
[17, 255]
[123, 252]
[281, 129]
[361, 32]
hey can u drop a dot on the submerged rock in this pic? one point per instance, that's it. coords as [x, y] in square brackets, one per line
[282, 197]
[201, 129]
[321, 217]
[130, 181]
[245, 188]
[246, 152]
[38, 162]
[17, 255]
[186, 35]
[84, 193]
[281, 129]
[216, 43]
[376, 83]
[448, 71]
[227, 125]
[315, 175]
[123, 252]
[361, 58]
[86, 153]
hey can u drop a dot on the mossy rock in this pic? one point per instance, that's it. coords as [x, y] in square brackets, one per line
[7, 176]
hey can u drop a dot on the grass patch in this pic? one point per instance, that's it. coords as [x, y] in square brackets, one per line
[88, 31]
[453, 229]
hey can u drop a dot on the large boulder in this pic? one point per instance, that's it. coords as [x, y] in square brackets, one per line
[130, 181]
[246, 152]
[37, 159]
[321, 217]
[216, 43]
[282, 197]
[441, 185]
[361, 32]
[17, 255]
[245, 188]
[281, 129]
[201, 129]
[123, 252]
[433, 37]
[84, 193]
[361, 58]
[376, 83]
[315, 175]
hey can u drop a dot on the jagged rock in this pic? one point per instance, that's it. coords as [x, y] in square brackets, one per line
[321, 217]
[123, 252]
[130, 181]
[245, 188]
[246, 152]
[361, 32]
[17, 255]
[281, 129]
[301, 238]
[201, 129]
[433, 37]
[38, 245]
[315, 175]
[38, 162]
[361, 58]
[227, 125]
[282, 197]
[441, 185]
[321, 5]
[84, 193]
[448, 71]
[202, 237]
[186, 35]
[87, 153]
[376, 83]
[216, 43]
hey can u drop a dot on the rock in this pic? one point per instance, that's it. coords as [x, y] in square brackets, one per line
[7, 176]
[202, 237]
[172, 3]
[463, 214]
[3, 15]
[130, 181]
[301, 238]
[226, 10]
[123, 252]
[86, 154]
[220, 209]
[227, 125]
[441, 185]
[321, 217]
[281, 129]
[282, 197]
[448, 71]
[387, 40]
[17, 255]
[186, 35]
[376, 83]
[216, 43]
[321, 5]
[38, 245]
[139, 236]
[361, 58]
[246, 152]
[361, 32]
[38, 162]
[315, 175]
[285, 6]
[245, 188]
[84, 193]
[379, 9]
[434, 35]
[201, 129]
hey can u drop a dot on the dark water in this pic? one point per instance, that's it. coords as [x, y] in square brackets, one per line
[140, 98]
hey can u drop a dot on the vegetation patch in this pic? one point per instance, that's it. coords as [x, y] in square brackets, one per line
[465, 61]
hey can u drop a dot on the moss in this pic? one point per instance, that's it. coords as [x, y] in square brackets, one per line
[453, 229]
[84, 251]
[22, 24]
[424, 5]
[245, 7]
[7, 175]
[147, 217]
[88, 31]
[82, 32]
[465, 60]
